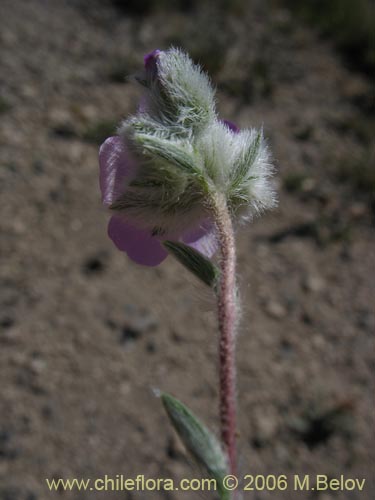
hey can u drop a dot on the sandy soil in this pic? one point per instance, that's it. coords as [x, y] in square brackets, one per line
[85, 335]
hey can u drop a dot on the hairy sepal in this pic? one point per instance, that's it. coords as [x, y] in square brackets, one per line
[182, 93]
[238, 167]
[178, 153]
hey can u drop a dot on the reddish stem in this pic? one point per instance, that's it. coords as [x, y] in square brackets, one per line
[227, 315]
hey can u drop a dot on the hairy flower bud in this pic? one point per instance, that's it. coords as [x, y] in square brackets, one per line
[175, 155]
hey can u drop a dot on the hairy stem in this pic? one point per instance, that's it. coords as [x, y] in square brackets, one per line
[227, 316]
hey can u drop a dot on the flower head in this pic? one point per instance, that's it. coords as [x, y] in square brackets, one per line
[137, 231]
[169, 159]
[150, 62]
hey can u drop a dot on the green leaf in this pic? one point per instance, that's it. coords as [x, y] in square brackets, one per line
[198, 440]
[194, 261]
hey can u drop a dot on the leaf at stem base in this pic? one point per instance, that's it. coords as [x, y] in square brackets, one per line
[194, 261]
[199, 441]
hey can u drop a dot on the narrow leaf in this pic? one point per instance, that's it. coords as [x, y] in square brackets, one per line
[194, 261]
[198, 440]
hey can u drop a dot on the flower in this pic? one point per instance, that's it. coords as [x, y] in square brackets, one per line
[150, 61]
[161, 172]
[141, 242]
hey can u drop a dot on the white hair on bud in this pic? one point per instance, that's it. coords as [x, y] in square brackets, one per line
[251, 188]
[186, 154]
[217, 147]
[239, 166]
[187, 91]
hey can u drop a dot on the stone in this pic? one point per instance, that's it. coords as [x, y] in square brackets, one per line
[313, 283]
[275, 310]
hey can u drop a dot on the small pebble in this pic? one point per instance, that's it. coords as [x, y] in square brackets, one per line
[313, 283]
[275, 310]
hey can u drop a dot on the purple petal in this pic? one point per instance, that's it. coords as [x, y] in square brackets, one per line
[140, 246]
[143, 107]
[117, 167]
[150, 61]
[203, 238]
[232, 126]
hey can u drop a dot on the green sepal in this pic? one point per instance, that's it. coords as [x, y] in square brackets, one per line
[171, 151]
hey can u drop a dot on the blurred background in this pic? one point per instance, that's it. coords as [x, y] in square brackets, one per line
[85, 335]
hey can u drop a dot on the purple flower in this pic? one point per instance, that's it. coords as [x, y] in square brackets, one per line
[141, 241]
[142, 244]
[150, 61]
[232, 126]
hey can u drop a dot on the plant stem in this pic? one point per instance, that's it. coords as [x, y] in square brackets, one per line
[227, 316]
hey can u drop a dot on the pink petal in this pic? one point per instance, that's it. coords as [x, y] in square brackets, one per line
[150, 61]
[143, 107]
[140, 246]
[203, 238]
[232, 126]
[117, 167]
